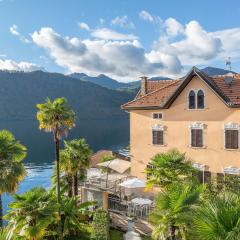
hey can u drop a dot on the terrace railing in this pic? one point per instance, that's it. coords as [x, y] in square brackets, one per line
[129, 209]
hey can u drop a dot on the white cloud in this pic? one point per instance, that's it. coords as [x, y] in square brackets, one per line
[120, 59]
[18, 66]
[146, 16]
[123, 22]
[195, 47]
[122, 56]
[14, 31]
[108, 34]
[84, 26]
[173, 27]
[230, 39]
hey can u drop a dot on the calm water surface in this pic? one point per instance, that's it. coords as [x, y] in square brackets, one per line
[99, 133]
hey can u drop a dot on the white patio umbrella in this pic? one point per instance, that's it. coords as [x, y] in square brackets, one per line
[93, 173]
[117, 165]
[133, 183]
[141, 201]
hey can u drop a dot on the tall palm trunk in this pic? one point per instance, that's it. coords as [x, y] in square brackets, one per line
[75, 184]
[173, 233]
[56, 140]
[1, 212]
[70, 185]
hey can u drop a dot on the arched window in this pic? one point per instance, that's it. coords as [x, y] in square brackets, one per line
[200, 99]
[191, 100]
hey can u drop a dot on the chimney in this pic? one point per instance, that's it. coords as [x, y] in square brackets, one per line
[143, 85]
[229, 78]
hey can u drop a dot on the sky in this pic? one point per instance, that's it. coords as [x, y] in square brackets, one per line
[123, 39]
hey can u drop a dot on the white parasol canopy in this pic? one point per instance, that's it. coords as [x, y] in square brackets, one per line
[141, 201]
[93, 173]
[117, 165]
[133, 183]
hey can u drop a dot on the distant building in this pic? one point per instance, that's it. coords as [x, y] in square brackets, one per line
[198, 115]
[96, 157]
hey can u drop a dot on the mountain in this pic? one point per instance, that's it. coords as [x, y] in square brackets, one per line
[215, 71]
[110, 83]
[21, 91]
[101, 80]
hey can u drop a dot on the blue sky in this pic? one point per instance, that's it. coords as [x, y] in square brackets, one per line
[122, 39]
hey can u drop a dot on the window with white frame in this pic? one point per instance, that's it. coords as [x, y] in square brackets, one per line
[158, 135]
[231, 136]
[196, 99]
[196, 131]
[157, 115]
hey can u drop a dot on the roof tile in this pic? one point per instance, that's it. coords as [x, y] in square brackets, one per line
[158, 92]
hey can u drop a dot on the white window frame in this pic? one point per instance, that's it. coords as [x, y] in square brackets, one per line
[157, 113]
[196, 100]
[231, 170]
[158, 127]
[200, 126]
[231, 126]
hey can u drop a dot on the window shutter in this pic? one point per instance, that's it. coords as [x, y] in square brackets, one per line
[196, 137]
[231, 139]
[157, 137]
[199, 138]
[193, 137]
[234, 139]
[228, 139]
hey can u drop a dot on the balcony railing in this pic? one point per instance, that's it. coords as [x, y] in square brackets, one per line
[129, 209]
[111, 186]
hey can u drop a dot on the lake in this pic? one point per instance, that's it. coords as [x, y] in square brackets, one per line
[99, 133]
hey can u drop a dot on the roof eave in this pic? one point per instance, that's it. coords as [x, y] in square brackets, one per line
[196, 72]
[143, 108]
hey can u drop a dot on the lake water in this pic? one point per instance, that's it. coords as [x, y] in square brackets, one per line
[99, 133]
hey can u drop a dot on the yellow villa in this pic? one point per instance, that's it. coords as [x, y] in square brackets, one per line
[198, 115]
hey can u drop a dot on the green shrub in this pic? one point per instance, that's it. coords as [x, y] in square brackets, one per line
[100, 225]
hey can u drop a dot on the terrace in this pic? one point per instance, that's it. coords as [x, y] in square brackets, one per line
[112, 185]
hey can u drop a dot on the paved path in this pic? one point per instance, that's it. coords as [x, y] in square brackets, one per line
[120, 222]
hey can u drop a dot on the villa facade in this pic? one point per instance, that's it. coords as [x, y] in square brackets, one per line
[199, 115]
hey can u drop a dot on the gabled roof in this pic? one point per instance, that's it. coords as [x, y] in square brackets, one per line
[165, 95]
[153, 99]
[153, 85]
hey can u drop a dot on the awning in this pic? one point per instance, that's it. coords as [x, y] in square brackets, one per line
[117, 165]
[133, 183]
[93, 173]
[141, 201]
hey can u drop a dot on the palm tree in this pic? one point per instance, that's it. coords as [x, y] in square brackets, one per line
[56, 117]
[5, 234]
[75, 160]
[32, 213]
[170, 216]
[66, 169]
[167, 168]
[217, 218]
[74, 216]
[12, 171]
